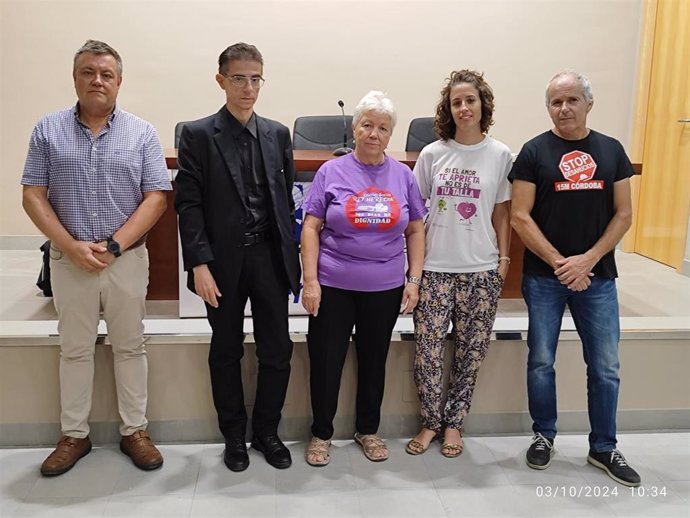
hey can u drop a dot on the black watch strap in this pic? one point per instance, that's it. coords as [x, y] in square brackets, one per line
[114, 247]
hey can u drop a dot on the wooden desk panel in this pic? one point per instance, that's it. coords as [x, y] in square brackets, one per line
[162, 246]
[307, 160]
[162, 240]
[310, 160]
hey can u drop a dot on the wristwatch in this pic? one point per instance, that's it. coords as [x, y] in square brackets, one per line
[113, 247]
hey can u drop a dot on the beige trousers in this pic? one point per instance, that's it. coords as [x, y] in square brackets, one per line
[119, 291]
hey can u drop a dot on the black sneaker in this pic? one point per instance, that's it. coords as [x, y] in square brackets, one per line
[540, 453]
[615, 466]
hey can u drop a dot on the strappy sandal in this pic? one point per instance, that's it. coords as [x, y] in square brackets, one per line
[414, 447]
[451, 450]
[318, 447]
[372, 444]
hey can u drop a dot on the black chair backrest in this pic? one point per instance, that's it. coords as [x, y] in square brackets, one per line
[321, 132]
[420, 133]
[178, 132]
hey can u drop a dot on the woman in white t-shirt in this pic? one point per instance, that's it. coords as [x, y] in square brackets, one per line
[464, 177]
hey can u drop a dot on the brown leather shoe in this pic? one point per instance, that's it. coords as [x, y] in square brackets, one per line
[140, 448]
[69, 450]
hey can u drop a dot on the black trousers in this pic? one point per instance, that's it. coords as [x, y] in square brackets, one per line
[264, 282]
[373, 314]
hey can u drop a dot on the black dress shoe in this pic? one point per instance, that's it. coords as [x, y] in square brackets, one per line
[235, 454]
[276, 453]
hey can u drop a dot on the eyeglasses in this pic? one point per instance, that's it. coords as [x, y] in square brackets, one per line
[242, 81]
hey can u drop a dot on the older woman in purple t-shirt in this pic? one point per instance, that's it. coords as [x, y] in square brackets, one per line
[361, 211]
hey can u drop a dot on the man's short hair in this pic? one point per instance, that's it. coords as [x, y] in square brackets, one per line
[99, 48]
[238, 52]
[584, 83]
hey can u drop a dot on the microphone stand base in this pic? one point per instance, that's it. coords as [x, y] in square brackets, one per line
[342, 151]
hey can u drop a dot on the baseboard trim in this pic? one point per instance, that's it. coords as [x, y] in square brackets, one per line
[685, 268]
[297, 429]
[21, 242]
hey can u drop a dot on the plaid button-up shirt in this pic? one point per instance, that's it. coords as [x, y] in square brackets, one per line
[95, 183]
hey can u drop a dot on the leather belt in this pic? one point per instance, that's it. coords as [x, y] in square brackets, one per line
[137, 243]
[254, 238]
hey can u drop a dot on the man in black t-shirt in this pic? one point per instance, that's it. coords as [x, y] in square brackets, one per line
[571, 205]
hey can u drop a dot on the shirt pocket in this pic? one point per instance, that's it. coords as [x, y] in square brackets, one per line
[122, 168]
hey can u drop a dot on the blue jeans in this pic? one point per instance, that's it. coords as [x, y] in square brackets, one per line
[595, 313]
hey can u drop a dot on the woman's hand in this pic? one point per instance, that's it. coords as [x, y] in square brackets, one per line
[503, 269]
[311, 297]
[410, 297]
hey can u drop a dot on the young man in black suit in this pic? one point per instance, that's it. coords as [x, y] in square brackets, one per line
[236, 216]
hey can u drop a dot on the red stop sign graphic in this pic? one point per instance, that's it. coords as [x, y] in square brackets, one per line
[577, 166]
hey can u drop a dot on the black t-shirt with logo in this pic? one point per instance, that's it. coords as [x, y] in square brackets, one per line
[574, 193]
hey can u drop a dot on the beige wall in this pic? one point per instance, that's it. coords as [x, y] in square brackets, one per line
[315, 53]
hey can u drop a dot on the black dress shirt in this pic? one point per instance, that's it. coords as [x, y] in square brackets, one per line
[254, 179]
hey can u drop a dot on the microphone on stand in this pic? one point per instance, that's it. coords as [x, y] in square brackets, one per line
[345, 149]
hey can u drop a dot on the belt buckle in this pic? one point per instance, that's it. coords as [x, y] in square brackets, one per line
[254, 238]
[250, 238]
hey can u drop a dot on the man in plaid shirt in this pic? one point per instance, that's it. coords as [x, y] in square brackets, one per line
[94, 183]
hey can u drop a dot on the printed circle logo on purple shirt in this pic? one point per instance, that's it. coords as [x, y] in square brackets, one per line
[372, 207]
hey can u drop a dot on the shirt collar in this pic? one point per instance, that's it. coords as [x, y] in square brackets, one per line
[111, 118]
[237, 128]
[251, 126]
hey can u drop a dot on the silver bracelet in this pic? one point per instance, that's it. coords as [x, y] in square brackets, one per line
[414, 280]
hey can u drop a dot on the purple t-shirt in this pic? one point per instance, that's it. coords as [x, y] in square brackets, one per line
[366, 209]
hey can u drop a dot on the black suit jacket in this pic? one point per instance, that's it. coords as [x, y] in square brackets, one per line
[210, 197]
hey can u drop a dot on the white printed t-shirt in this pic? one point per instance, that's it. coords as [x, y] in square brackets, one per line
[462, 184]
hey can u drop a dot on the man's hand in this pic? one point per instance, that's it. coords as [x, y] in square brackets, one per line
[205, 285]
[105, 257]
[575, 269]
[87, 256]
[311, 297]
[580, 285]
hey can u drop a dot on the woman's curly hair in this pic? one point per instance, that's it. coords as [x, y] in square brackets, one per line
[444, 125]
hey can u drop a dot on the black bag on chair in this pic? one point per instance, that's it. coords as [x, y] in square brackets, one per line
[43, 281]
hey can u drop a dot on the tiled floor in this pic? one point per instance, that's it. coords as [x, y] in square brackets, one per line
[490, 479]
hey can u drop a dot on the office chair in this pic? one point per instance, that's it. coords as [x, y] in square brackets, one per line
[322, 132]
[420, 133]
[178, 132]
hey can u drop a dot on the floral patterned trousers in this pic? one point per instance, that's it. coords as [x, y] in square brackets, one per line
[470, 300]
